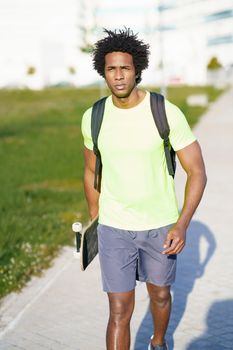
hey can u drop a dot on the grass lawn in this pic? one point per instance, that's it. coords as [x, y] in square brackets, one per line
[41, 174]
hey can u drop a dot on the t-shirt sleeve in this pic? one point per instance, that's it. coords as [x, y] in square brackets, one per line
[180, 132]
[86, 129]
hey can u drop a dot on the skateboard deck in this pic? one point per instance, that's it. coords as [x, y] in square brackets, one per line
[89, 244]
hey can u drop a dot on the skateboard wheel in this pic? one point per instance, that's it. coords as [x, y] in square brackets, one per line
[77, 227]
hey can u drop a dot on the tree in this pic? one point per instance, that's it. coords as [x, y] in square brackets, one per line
[72, 70]
[214, 64]
[31, 70]
[89, 30]
[88, 25]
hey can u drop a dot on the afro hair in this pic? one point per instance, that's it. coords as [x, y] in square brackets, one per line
[122, 41]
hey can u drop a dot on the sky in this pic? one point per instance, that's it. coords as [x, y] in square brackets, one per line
[44, 34]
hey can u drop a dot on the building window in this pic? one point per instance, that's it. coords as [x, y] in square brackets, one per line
[227, 39]
[219, 15]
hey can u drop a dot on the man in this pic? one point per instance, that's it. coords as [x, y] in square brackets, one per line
[140, 230]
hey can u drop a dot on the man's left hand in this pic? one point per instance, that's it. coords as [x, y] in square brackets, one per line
[175, 240]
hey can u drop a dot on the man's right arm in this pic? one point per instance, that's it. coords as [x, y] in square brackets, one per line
[92, 196]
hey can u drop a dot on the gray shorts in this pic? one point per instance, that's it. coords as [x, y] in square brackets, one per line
[126, 256]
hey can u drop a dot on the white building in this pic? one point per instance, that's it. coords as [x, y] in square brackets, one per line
[192, 33]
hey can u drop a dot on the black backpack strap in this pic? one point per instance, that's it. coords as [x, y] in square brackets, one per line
[159, 114]
[96, 121]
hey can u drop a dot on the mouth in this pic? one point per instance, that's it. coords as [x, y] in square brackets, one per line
[120, 87]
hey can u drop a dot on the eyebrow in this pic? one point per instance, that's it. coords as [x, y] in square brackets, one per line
[123, 66]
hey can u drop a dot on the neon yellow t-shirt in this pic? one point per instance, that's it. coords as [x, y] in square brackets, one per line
[137, 193]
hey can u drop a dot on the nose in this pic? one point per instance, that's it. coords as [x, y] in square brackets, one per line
[118, 74]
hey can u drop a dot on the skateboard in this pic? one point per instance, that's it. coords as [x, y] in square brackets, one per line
[86, 242]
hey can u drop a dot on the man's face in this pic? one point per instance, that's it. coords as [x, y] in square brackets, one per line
[120, 73]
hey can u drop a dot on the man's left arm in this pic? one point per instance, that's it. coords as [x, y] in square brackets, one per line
[192, 162]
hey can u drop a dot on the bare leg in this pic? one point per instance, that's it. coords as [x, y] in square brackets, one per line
[121, 307]
[160, 304]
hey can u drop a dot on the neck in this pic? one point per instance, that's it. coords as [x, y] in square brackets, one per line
[135, 97]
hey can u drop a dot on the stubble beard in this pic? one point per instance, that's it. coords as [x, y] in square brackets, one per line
[124, 95]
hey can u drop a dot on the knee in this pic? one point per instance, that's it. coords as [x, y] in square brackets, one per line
[120, 313]
[160, 296]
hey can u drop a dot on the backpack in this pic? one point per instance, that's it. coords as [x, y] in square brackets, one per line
[160, 119]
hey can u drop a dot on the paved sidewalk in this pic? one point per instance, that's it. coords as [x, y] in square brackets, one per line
[66, 308]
